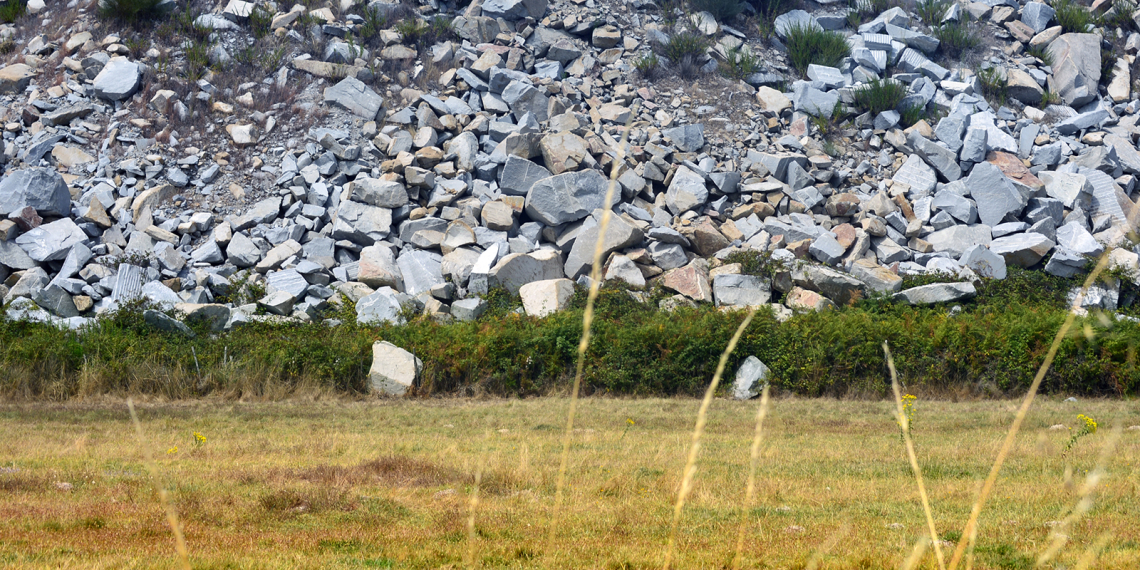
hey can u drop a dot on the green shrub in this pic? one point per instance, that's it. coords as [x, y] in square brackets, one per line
[427, 33]
[647, 65]
[130, 10]
[260, 21]
[1120, 16]
[955, 38]
[994, 83]
[932, 11]
[880, 95]
[1041, 53]
[767, 11]
[722, 10]
[684, 51]
[739, 65]
[810, 44]
[912, 114]
[1072, 17]
[13, 10]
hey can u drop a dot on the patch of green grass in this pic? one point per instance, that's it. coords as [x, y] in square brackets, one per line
[685, 51]
[808, 44]
[13, 10]
[260, 21]
[880, 95]
[739, 65]
[425, 33]
[130, 10]
[647, 65]
[1120, 15]
[994, 84]
[1041, 53]
[956, 38]
[723, 10]
[1073, 17]
[766, 12]
[932, 11]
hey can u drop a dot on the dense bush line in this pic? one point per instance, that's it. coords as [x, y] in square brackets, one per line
[992, 346]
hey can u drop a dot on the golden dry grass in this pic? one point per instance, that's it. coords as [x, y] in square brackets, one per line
[337, 484]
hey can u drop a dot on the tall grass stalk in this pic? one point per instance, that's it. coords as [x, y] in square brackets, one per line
[905, 423]
[824, 548]
[916, 554]
[1059, 535]
[698, 430]
[471, 506]
[1093, 551]
[970, 532]
[587, 320]
[750, 488]
[163, 496]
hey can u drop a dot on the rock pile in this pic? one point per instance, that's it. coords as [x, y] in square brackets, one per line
[495, 173]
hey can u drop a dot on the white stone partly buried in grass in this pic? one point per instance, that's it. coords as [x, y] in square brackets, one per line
[394, 370]
[750, 379]
[542, 298]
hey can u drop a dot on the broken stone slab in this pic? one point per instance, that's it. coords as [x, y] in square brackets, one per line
[1022, 250]
[876, 277]
[469, 309]
[40, 188]
[835, 285]
[420, 271]
[51, 242]
[514, 9]
[687, 191]
[519, 174]
[568, 197]
[687, 138]
[692, 281]
[737, 290]
[1075, 238]
[751, 378]
[543, 298]
[800, 299]
[937, 293]
[620, 234]
[994, 194]
[517, 269]
[354, 96]
[166, 323]
[1073, 190]
[984, 262]
[384, 305]
[956, 239]
[394, 370]
[1076, 67]
[118, 80]
[15, 78]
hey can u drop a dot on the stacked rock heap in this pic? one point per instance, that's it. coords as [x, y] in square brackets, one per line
[494, 174]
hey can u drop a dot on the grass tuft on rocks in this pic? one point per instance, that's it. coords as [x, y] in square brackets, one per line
[130, 10]
[956, 38]
[809, 44]
[1073, 17]
[739, 65]
[932, 11]
[880, 95]
[13, 10]
[722, 10]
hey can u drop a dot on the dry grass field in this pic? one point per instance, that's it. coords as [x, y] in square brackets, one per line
[390, 484]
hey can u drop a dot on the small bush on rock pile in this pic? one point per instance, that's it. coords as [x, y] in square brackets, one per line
[685, 51]
[811, 44]
[722, 10]
[1073, 17]
[130, 10]
[13, 10]
[880, 95]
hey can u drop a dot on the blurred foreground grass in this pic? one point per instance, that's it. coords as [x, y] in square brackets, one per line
[350, 484]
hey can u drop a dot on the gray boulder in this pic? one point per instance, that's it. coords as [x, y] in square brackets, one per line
[994, 194]
[165, 323]
[956, 239]
[394, 370]
[421, 271]
[984, 262]
[937, 293]
[1022, 250]
[118, 80]
[519, 174]
[620, 234]
[40, 188]
[750, 380]
[687, 191]
[1076, 67]
[354, 96]
[514, 9]
[687, 138]
[51, 242]
[385, 305]
[735, 290]
[567, 197]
